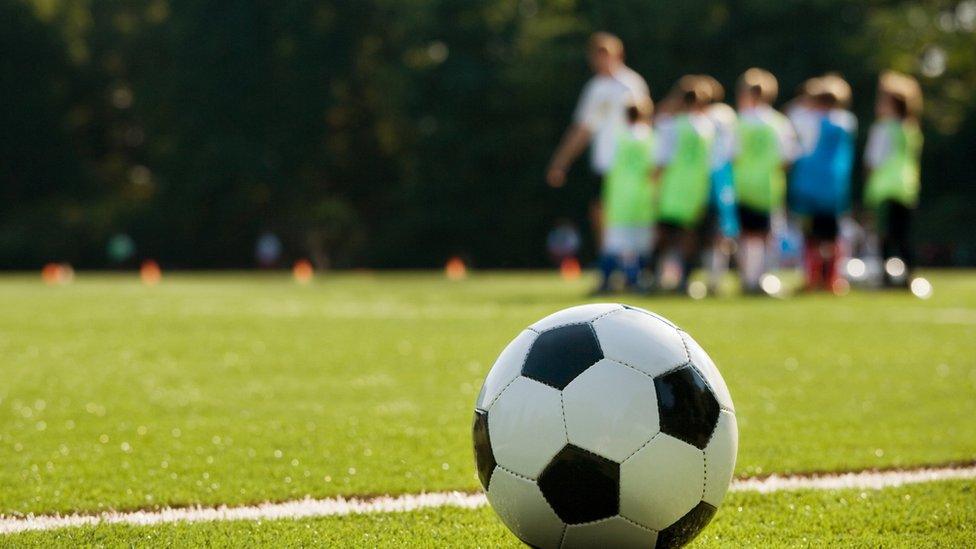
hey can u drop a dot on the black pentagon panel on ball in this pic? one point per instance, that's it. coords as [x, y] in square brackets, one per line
[686, 405]
[483, 456]
[686, 528]
[581, 486]
[559, 355]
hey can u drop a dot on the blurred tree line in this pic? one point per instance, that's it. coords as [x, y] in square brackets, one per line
[398, 132]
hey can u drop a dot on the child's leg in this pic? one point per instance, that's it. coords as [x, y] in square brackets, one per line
[653, 240]
[813, 261]
[669, 256]
[889, 248]
[752, 246]
[822, 252]
[634, 262]
[630, 264]
[644, 264]
[719, 261]
[752, 253]
[774, 242]
[825, 230]
[719, 234]
[688, 248]
[608, 265]
[659, 255]
[896, 242]
[903, 236]
[831, 251]
[610, 250]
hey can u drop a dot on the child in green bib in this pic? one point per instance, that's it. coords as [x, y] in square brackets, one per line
[766, 145]
[892, 158]
[683, 155]
[627, 199]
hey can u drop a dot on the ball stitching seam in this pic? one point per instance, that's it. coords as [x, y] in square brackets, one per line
[650, 440]
[577, 322]
[639, 525]
[537, 487]
[525, 355]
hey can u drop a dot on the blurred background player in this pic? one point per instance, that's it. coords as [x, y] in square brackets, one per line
[599, 113]
[267, 250]
[766, 146]
[683, 155]
[563, 241]
[820, 185]
[628, 201]
[723, 219]
[892, 158]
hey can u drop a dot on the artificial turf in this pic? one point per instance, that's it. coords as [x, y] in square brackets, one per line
[234, 389]
[939, 514]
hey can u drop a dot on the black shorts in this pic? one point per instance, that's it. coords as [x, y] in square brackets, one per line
[822, 226]
[709, 225]
[753, 220]
[594, 187]
[665, 225]
[894, 220]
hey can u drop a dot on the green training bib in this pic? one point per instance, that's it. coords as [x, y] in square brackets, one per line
[685, 183]
[760, 182]
[627, 191]
[898, 177]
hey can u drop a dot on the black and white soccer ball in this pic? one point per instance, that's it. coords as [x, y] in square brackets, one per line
[605, 425]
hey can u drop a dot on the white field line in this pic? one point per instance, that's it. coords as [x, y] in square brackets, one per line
[864, 480]
[308, 507]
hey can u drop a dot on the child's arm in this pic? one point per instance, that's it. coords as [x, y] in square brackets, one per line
[876, 149]
[789, 143]
[664, 146]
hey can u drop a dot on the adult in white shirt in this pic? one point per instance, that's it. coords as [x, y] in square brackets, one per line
[601, 109]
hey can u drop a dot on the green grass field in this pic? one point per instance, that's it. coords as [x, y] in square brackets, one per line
[234, 389]
[931, 515]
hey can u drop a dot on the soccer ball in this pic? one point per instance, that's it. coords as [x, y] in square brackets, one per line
[604, 425]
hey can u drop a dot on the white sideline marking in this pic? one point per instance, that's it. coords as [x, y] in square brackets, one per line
[864, 480]
[303, 508]
[308, 507]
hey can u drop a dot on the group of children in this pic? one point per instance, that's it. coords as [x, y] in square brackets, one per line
[698, 173]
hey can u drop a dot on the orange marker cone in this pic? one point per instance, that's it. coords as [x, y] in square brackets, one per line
[150, 273]
[302, 271]
[455, 269]
[55, 273]
[569, 269]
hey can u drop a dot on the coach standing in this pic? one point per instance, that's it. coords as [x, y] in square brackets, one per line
[599, 114]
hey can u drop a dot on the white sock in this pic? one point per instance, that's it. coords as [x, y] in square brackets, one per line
[719, 264]
[751, 258]
[671, 270]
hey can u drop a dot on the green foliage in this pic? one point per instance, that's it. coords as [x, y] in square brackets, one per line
[421, 126]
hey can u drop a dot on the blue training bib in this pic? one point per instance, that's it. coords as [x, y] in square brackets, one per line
[820, 182]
